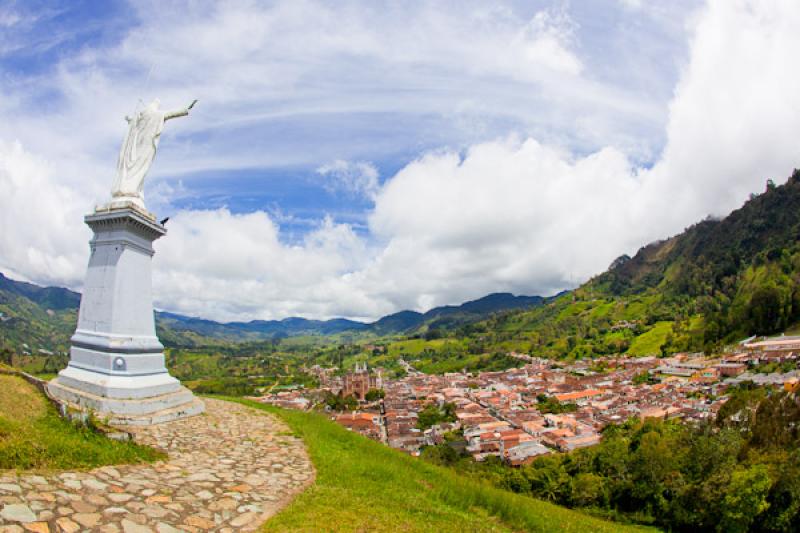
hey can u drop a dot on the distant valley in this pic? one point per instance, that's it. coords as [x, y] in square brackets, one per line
[45, 317]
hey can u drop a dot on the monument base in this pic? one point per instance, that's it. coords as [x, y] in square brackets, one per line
[175, 405]
[116, 363]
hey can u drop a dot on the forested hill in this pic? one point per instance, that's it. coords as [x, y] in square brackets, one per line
[717, 282]
[742, 273]
[709, 255]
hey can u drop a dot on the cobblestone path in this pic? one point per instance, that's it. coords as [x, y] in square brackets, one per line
[228, 470]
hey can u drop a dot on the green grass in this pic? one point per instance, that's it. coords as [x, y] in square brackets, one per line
[362, 485]
[33, 436]
[413, 346]
[603, 310]
[573, 309]
[650, 343]
[454, 364]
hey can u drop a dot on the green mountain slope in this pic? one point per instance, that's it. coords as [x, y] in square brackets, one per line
[718, 281]
[28, 319]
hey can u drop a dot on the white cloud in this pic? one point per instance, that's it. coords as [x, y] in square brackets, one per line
[215, 263]
[8, 18]
[357, 178]
[631, 4]
[305, 58]
[735, 113]
[41, 232]
[510, 215]
[547, 39]
[517, 215]
[529, 213]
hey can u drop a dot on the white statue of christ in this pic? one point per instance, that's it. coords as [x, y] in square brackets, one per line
[139, 149]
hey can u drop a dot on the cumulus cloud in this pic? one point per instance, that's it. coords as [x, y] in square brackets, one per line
[215, 263]
[528, 213]
[42, 235]
[734, 114]
[509, 215]
[518, 215]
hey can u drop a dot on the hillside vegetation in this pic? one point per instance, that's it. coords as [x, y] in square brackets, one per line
[33, 436]
[364, 486]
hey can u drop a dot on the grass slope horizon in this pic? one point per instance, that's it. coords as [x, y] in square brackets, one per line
[362, 485]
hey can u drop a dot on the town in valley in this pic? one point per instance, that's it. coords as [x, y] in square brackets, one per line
[543, 406]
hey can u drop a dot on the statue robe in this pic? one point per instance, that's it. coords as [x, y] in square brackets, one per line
[138, 151]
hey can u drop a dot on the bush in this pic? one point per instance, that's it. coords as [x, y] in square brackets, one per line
[374, 394]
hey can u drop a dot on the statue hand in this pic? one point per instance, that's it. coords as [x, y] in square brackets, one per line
[192, 104]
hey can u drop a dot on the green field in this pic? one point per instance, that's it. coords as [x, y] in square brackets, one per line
[33, 436]
[650, 343]
[362, 485]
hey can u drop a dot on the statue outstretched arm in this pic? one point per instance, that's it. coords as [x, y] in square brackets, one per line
[179, 112]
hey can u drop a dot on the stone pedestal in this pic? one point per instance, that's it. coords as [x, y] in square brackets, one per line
[116, 366]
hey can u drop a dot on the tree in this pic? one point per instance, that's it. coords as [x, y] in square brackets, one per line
[6, 356]
[776, 422]
[337, 402]
[588, 489]
[350, 403]
[765, 311]
[745, 498]
[549, 479]
[442, 454]
[428, 417]
[432, 414]
[654, 464]
[374, 394]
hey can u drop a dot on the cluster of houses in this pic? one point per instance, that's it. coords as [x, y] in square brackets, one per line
[544, 406]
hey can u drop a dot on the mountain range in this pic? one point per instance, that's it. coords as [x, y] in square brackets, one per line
[45, 317]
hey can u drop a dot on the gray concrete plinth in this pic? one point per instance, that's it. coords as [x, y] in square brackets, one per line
[116, 366]
[131, 412]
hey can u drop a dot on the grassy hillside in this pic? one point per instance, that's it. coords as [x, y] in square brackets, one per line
[364, 486]
[33, 436]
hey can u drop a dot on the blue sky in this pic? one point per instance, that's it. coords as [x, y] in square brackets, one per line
[357, 158]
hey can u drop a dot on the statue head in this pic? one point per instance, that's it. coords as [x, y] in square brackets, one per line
[154, 105]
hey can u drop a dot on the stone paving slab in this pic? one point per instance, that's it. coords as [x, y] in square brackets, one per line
[228, 470]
